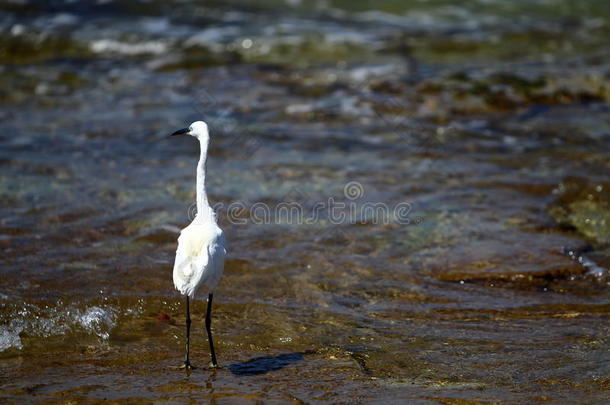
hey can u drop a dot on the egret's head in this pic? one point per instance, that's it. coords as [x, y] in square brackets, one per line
[198, 129]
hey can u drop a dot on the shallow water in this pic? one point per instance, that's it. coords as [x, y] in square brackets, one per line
[488, 121]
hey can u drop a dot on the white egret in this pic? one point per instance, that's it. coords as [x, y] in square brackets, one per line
[201, 247]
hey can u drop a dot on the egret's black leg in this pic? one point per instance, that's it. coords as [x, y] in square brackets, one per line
[208, 328]
[187, 364]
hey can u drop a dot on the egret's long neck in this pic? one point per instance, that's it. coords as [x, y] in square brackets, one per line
[203, 207]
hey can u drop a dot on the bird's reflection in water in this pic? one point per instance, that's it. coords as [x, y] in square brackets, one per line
[265, 364]
[209, 385]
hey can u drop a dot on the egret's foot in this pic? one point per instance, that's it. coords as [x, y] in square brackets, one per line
[214, 366]
[187, 366]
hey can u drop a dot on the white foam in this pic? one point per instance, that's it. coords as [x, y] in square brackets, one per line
[9, 338]
[41, 322]
[96, 320]
[111, 45]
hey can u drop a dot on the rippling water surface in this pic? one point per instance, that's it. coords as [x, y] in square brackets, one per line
[489, 120]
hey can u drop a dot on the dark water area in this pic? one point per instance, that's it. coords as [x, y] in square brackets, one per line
[488, 121]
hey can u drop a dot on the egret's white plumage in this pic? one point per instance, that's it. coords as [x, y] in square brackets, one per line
[201, 245]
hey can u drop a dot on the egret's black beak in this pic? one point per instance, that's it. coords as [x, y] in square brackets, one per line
[182, 131]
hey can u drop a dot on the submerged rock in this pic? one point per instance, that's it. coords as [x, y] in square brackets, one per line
[585, 207]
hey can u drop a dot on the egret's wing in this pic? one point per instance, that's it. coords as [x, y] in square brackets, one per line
[191, 259]
[216, 260]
